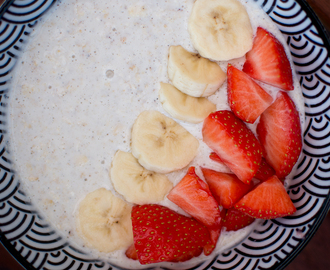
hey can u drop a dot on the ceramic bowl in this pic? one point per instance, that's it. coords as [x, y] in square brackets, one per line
[273, 243]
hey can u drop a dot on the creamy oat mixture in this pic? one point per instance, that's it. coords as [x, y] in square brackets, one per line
[85, 76]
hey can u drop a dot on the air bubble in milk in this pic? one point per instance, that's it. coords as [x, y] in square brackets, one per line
[109, 73]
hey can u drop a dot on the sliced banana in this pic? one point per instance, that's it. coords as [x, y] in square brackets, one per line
[220, 29]
[184, 107]
[104, 221]
[160, 144]
[193, 74]
[137, 184]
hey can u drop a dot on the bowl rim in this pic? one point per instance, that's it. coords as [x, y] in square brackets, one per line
[326, 206]
[4, 6]
[323, 209]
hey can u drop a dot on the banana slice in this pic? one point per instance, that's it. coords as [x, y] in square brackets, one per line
[160, 144]
[184, 107]
[220, 29]
[135, 183]
[104, 221]
[193, 74]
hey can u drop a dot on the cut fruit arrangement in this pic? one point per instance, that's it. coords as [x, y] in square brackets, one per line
[214, 201]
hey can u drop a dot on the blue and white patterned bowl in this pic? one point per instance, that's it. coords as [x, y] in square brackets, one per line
[274, 243]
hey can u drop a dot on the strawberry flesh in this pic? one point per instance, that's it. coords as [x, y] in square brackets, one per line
[279, 133]
[246, 98]
[268, 200]
[226, 188]
[194, 196]
[268, 62]
[234, 143]
[213, 156]
[131, 253]
[161, 234]
[235, 220]
[265, 171]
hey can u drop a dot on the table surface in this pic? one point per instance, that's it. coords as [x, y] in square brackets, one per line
[315, 255]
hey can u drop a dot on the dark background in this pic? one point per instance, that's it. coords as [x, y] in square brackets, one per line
[315, 254]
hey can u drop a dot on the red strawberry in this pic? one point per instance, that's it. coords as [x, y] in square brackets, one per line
[267, 201]
[215, 157]
[234, 143]
[226, 188]
[235, 220]
[265, 171]
[194, 196]
[279, 133]
[246, 98]
[268, 62]
[131, 253]
[161, 234]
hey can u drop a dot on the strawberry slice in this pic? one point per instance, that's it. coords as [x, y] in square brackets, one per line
[236, 220]
[213, 156]
[194, 196]
[268, 62]
[246, 98]
[279, 133]
[131, 253]
[268, 200]
[161, 234]
[226, 188]
[265, 171]
[234, 143]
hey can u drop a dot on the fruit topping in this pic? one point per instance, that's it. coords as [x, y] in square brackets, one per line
[192, 74]
[160, 144]
[235, 220]
[246, 98]
[135, 183]
[194, 196]
[279, 133]
[213, 156]
[234, 143]
[226, 188]
[161, 234]
[131, 253]
[268, 200]
[104, 221]
[184, 107]
[265, 171]
[268, 62]
[220, 29]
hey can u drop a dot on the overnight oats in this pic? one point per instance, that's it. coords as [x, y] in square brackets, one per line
[153, 132]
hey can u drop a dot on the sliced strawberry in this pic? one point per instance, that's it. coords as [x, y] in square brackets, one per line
[214, 236]
[215, 157]
[279, 133]
[194, 196]
[226, 188]
[161, 234]
[268, 62]
[235, 220]
[246, 98]
[265, 171]
[234, 143]
[131, 253]
[268, 200]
